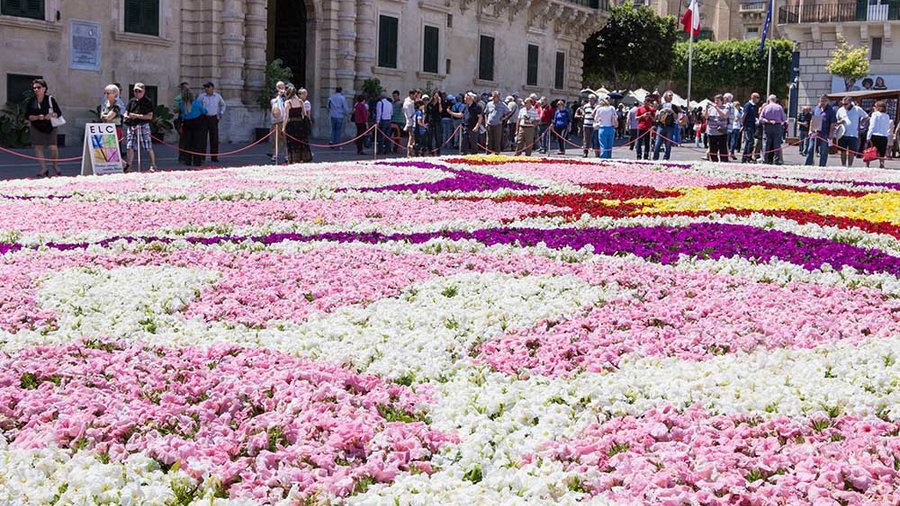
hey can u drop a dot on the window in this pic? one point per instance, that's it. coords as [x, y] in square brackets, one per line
[448, 67]
[531, 75]
[387, 41]
[18, 87]
[486, 58]
[449, 20]
[149, 91]
[876, 48]
[430, 50]
[23, 8]
[560, 80]
[142, 16]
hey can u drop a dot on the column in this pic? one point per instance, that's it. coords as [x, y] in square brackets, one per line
[254, 51]
[365, 40]
[232, 62]
[346, 39]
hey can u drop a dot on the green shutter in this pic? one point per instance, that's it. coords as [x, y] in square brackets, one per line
[486, 58]
[862, 10]
[23, 8]
[560, 80]
[430, 52]
[532, 72]
[387, 41]
[142, 16]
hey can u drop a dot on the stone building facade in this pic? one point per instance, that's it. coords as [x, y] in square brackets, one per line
[816, 26]
[79, 46]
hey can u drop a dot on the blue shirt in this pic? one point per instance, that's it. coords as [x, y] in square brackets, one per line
[750, 110]
[197, 110]
[561, 119]
[828, 118]
[419, 116]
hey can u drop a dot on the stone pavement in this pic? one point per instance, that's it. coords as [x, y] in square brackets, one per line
[15, 167]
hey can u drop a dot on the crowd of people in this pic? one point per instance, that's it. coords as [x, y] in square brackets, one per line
[428, 124]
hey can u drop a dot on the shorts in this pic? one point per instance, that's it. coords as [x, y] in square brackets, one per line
[143, 133]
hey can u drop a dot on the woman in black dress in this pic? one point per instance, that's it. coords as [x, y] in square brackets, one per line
[297, 125]
[40, 110]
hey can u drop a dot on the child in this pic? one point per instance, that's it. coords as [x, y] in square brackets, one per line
[420, 128]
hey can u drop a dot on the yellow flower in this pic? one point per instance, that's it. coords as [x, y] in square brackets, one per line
[882, 207]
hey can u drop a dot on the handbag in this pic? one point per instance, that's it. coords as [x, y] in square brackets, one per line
[870, 154]
[57, 121]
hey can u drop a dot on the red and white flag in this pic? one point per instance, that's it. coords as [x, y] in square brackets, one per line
[691, 19]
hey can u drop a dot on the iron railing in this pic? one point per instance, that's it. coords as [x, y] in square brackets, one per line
[839, 12]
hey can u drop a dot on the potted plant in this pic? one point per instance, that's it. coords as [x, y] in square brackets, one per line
[13, 126]
[275, 71]
[162, 123]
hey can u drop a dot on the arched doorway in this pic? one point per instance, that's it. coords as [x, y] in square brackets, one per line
[287, 36]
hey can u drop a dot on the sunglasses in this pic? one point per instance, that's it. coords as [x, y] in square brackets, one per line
[37, 87]
[138, 91]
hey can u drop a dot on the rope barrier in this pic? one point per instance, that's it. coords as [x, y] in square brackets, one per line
[39, 159]
[351, 141]
[531, 146]
[229, 153]
[579, 146]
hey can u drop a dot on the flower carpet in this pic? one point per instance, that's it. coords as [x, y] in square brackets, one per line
[479, 330]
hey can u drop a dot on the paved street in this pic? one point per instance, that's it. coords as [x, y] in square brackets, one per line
[15, 167]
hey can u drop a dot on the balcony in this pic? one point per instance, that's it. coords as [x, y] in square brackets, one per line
[593, 4]
[754, 6]
[839, 12]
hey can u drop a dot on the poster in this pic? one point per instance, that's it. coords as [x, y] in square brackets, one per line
[873, 82]
[85, 44]
[101, 150]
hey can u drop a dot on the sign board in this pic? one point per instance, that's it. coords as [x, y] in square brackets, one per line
[101, 150]
[85, 44]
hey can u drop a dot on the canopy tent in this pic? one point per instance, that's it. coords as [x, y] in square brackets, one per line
[677, 100]
[703, 104]
[639, 94]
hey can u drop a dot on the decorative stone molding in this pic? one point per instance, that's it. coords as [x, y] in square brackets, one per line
[30, 24]
[138, 38]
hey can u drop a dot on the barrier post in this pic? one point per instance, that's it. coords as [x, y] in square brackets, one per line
[136, 136]
[375, 142]
[275, 132]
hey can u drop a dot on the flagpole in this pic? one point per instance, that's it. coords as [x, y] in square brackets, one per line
[690, 60]
[769, 71]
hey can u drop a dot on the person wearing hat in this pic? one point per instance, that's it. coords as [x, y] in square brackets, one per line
[215, 109]
[137, 118]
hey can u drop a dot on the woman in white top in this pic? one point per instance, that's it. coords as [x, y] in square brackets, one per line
[879, 131]
[605, 122]
[528, 119]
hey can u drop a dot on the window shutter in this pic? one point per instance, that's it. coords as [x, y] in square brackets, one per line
[142, 16]
[387, 41]
[560, 80]
[23, 8]
[532, 72]
[430, 53]
[486, 58]
[150, 15]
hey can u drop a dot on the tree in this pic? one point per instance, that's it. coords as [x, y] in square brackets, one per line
[275, 71]
[848, 62]
[636, 45]
[735, 66]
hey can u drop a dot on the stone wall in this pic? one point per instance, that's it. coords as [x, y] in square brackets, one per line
[226, 41]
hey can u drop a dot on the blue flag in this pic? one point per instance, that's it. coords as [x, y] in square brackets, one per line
[765, 31]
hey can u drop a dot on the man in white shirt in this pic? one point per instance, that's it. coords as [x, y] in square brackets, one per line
[632, 125]
[849, 116]
[277, 107]
[384, 111]
[338, 109]
[409, 109]
[215, 109]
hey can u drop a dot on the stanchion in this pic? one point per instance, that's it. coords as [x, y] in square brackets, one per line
[375, 142]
